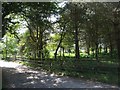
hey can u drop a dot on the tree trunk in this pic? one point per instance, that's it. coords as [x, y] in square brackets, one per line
[96, 51]
[117, 37]
[41, 47]
[60, 52]
[55, 54]
[77, 54]
[100, 49]
[111, 45]
[63, 52]
[75, 24]
[105, 50]
[88, 50]
[116, 24]
[61, 38]
[117, 33]
[93, 52]
[111, 50]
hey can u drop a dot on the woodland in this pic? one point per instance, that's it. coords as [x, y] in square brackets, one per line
[77, 39]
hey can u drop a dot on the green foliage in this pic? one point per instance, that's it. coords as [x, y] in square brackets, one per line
[9, 45]
[92, 23]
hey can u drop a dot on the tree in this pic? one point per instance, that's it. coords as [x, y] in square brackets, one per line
[37, 17]
[116, 24]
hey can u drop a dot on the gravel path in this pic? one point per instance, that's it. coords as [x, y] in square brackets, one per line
[18, 76]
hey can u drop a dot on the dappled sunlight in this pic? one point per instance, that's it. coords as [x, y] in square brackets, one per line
[58, 80]
[32, 77]
[24, 77]
[32, 82]
[52, 74]
[60, 44]
[98, 86]
[42, 81]
[32, 71]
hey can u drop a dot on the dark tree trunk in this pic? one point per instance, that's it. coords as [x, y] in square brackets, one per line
[55, 54]
[63, 52]
[59, 44]
[75, 24]
[100, 49]
[117, 37]
[117, 33]
[105, 50]
[60, 52]
[41, 46]
[88, 50]
[77, 54]
[69, 51]
[116, 24]
[111, 50]
[93, 52]
[96, 51]
[111, 45]
[37, 50]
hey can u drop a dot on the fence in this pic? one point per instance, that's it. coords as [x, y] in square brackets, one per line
[74, 65]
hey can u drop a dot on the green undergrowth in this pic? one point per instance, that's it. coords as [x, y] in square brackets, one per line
[103, 71]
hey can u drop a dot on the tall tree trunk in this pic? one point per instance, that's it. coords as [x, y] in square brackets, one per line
[117, 34]
[96, 51]
[111, 50]
[55, 54]
[75, 24]
[117, 37]
[60, 52]
[105, 49]
[111, 45]
[116, 24]
[93, 52]
[88, 50]
[59, 44]
[41, 46]
[100, 49]
[77, 53]
[37, 50]
[63, 51]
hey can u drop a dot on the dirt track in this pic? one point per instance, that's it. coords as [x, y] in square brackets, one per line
[17, 76]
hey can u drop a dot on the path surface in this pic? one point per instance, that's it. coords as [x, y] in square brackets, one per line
[18, 76]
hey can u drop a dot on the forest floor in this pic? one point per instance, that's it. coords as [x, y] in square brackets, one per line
[15, 75]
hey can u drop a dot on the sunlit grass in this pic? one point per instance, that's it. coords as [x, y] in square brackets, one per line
[67, 54]
[105, 71]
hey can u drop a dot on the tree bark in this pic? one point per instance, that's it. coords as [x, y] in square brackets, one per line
[63, 51]
[105, 49]
[116, 24]
[117, 34]
[96, 51]
[77, 53]
[100, 49]
[41, 46]
[111, 45]
[55, 54]
[88, 50]
[59, 44]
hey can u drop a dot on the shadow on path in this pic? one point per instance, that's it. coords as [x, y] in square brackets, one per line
[23, 77]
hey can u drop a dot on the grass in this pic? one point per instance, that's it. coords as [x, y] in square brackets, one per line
[66, 54]
[108, 76]
[103, 71]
